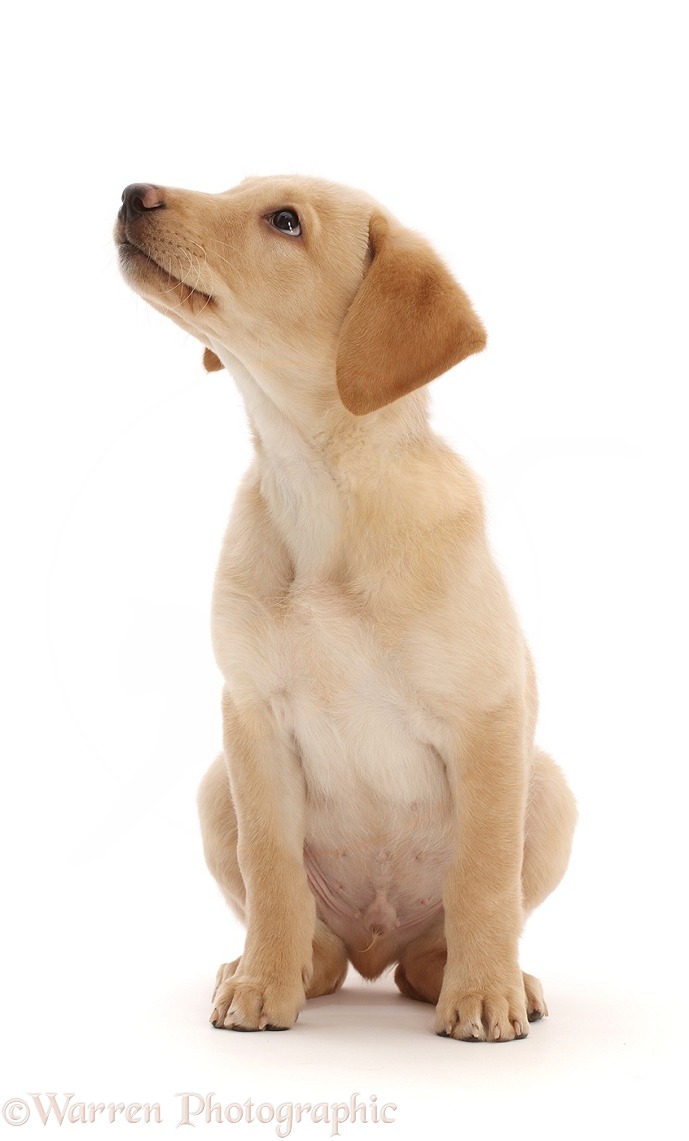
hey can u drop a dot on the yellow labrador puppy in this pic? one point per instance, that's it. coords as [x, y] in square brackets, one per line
[379, 799]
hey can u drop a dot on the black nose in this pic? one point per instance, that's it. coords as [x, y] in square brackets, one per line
[138, 198]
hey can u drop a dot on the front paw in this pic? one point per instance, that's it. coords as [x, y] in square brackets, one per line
[243, 1001]
[492, 1012]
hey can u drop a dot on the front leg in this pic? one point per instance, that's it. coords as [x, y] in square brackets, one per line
[266, 990]
[482, 996]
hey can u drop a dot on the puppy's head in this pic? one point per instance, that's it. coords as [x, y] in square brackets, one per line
[299, 278]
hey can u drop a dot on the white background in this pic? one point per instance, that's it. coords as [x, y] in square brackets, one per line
[542, 149]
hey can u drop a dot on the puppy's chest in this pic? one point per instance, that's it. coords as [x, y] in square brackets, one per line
[343, 690]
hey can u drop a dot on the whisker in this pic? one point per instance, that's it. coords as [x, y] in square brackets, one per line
[230, 245]
[198, 268]
[232, 265]
[199, 271]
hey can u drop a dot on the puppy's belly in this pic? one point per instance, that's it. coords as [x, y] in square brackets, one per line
[378, 819]
[383, 880]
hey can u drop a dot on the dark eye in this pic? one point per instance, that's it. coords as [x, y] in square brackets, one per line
[286, 221]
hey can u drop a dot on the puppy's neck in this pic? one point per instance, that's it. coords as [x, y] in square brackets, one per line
[317, 461]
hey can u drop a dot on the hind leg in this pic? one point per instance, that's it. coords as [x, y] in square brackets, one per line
[419, 974]
[219, 831]
[551, 814]
[550, 818]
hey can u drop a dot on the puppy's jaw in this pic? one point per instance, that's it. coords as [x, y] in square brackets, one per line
[142, 256]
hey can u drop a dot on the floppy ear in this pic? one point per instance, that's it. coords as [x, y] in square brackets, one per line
[211, 363]
[409, 322]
